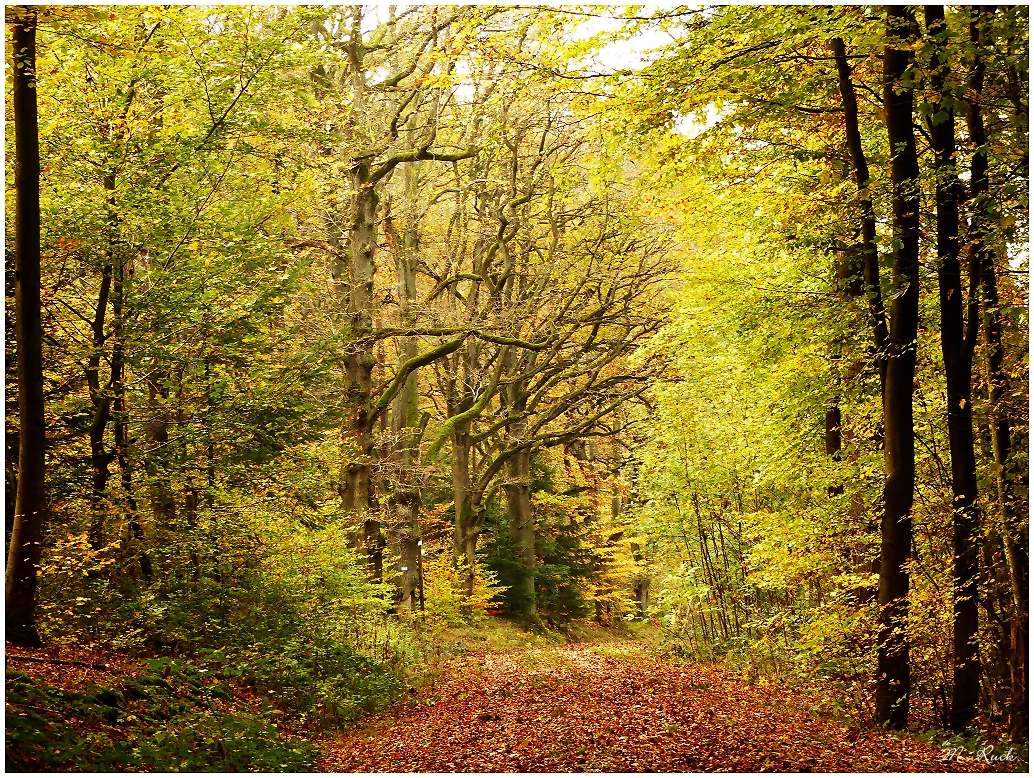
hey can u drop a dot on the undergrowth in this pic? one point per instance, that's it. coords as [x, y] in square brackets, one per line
[168, 715]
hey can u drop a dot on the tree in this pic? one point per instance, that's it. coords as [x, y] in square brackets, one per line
[380, 106]
[958, 340]
[31, 504]
[893, 679]
[983, 261]
[756, 109]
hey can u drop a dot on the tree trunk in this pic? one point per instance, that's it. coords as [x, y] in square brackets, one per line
[893, 670]
[405, 495]
[30, 501]
[162, 502]
[860, 168]
[136, 529]
[642, 596]
[357, 489]
[407, 507]
[982, 253]
[522, 520]
[100, 397]
[870, 256]
[957, 343]
[466, 530]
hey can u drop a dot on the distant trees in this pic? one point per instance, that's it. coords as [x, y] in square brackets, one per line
[309, 266]
[496, 261]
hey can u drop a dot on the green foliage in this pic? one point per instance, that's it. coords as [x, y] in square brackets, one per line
[566, 566]
[178, 725]
[769, 541]
[837, 647]
[292, 615]
[202, 303]
[503, 558]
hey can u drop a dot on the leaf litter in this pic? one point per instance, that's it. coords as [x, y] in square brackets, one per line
[592, 709]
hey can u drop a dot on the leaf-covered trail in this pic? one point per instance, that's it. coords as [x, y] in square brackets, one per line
[612, 709]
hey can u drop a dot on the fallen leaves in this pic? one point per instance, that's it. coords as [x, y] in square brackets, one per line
[573, 709]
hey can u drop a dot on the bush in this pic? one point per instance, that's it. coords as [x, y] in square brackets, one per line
[443, 597]
[178, 726]
[838, 647]
[290, 609]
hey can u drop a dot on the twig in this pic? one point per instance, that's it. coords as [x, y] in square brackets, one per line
[94, 665]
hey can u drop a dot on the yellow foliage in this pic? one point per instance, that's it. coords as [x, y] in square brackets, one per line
[443, 592]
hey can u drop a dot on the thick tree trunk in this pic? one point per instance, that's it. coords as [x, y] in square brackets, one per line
[405, 496]
[957, 343]
[30, 501]
[982, 254]
[522, 520]
[893, 669]
[465, 532]
[357, 490]
[407, 506]
[642, 596]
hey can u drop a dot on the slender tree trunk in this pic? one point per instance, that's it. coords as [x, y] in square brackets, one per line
[163, 504]
[860, 168]
[957, 344]
[136, 529]
[893, 668]
[851, 285]
[30, 501]
[982, 254]
[101, 399]
[868, 249]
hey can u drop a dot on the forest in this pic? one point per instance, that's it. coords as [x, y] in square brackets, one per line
[514, 388]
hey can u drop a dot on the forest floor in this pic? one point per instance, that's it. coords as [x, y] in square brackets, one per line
[616, 708]
[599, 706]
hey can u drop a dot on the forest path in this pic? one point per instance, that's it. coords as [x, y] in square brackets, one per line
[612, 708]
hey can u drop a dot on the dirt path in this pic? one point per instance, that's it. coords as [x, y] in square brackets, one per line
[613, 709]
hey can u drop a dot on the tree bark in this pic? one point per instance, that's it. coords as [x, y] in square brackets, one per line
[466, 529]
[158, 462]
[893, 669]
[100, 459]
[358, 496]
[522, 520]
[957, 344]
[405, 496]
[860, 169]
[870, 256]
[30, 501]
